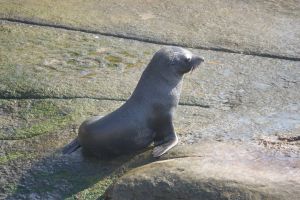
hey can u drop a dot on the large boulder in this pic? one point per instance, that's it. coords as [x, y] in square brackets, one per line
[213, 171]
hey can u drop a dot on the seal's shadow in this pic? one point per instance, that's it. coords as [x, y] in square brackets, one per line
[60, 176]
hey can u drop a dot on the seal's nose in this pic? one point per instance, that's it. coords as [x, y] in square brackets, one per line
[200, 59]
[197, 59]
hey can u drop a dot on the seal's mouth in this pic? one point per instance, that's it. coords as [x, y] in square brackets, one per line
[195, 62]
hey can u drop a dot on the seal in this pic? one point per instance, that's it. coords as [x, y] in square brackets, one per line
[147, 116]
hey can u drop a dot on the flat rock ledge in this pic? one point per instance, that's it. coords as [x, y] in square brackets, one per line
[213, 171]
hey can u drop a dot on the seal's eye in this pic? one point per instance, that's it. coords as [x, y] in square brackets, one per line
[187, 59]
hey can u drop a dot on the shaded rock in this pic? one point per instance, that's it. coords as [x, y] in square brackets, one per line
[31, 164]
[213, 171]
[32, 132]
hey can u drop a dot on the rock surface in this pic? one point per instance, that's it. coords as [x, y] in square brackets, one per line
[260, 27]
[212, 171]
[79, 65]
[51, 79]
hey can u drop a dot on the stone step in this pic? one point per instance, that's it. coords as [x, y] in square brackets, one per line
[257, 27]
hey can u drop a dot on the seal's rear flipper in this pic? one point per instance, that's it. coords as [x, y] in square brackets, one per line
[73, 146]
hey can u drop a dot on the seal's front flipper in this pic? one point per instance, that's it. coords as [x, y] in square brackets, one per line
[163, 148]
[73, 146]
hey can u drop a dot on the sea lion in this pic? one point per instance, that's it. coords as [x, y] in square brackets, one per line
[147, 115]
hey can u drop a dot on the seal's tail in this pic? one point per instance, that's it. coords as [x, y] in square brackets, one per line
[73, 146]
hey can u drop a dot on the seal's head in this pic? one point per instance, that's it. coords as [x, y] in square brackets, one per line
[184, 61]
[175, 60]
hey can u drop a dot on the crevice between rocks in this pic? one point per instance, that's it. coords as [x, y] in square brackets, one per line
[178, 157]
[146, 40]
[92, 98]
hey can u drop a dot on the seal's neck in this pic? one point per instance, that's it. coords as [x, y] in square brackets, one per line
[158, 87]
[165, 76]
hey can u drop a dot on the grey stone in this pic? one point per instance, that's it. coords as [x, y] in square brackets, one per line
[260, 27]
[71, 71]
[213, 171]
